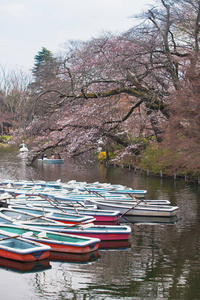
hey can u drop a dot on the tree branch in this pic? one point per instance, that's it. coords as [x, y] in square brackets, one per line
[128, 114]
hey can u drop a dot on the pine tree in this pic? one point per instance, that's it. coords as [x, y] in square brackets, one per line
[45, 66]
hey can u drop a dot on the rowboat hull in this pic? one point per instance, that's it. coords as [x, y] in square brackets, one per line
[39, 201]
[99, 215]
[57, 241]
[16, 248]
[135, 193]
[104, 237]
[10, 254]
[12, 215]
[133, 202]
[107, 232]
[51, 161]
[140, 210]
[65, 218]
[57, 247]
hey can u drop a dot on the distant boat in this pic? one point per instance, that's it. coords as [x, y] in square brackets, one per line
[102, 188]
[23, 148]
[50, 161]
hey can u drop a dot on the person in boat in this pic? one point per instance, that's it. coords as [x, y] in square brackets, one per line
[52, 156]
[58, 156]
[44, 157]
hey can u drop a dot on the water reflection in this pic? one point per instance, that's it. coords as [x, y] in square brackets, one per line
[160, 261]
[115, 245]
[24, 267]
[74, 257]
[148, 220]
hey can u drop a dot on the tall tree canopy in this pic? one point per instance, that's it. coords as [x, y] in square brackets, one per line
[43, 62]
[121, 87]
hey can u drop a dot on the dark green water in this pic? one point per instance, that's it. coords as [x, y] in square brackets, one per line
[161, 260]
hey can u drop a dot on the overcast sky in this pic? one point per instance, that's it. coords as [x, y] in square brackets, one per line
[28, 25]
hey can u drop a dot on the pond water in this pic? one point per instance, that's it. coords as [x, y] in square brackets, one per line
[160, 260]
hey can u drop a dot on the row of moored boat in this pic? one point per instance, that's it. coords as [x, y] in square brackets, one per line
[38, 217]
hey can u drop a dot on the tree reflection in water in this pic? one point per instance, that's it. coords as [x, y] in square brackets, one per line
[162, 260]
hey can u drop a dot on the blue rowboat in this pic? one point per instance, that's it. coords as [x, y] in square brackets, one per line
[32, 201]
[71, 215]
[59, 216]
[51, 161]
[12, 215]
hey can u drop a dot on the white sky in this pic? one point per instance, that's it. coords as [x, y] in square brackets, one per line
[28, 25]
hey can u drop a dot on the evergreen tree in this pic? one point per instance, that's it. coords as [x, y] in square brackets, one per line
[45, 66]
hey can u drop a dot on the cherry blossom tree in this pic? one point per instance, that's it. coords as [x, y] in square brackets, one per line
[120, 87]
